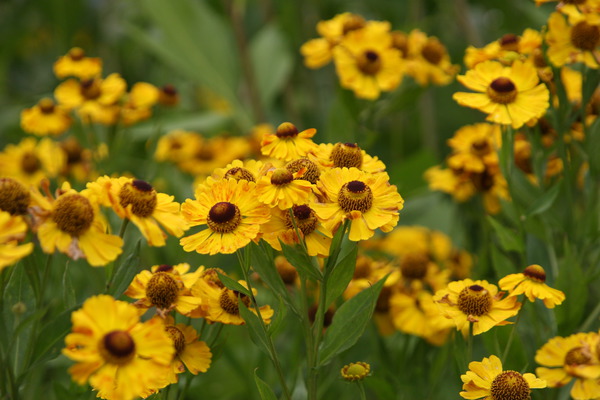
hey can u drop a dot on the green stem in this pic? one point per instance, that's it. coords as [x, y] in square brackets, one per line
[361, 389]
[272, 351]
[469, 346]
[111, 268]
[511, 336]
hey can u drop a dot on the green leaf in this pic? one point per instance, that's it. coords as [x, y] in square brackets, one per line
[49, 344]
[545, 201]
[280, 314]
[261, 260]
[341, 276]
[509, 240]
[349, 322]
[501, 263]
[301, 261]
[233, 284]
[68, 289]
[126, 271]
[266, 393]
[257, 333]
[593, 147]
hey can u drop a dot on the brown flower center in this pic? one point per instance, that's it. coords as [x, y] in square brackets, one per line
[502, 90]
[224, 217]
[510, 385]
[30, 163]
[433, 52]
[383, 301]
[117, 347]
[141, 195]
[76, 53]
[536, 273]
[14, 197]
[286, 271]
[73, 150]
[400, 42]
[509, 42]
[281, 176]
[352, 23]
[286, 130]
[355, 196]
[483, 181]
[538, 58]
[46, 105]
[474, 300]
[164, 268]
[578, 356]
[90, 89]
[168, 95]
[305, 218]
[239, 173]
[211, 276]
[584, 36]
[73, 214]
[177, 337]
[229, 301]
[369, 62]
[312, 172]
[363, 268]
[346, 155]
[480, 147]
[162, 290]
[414, 265]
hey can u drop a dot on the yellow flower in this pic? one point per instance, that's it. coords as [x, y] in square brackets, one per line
[367, 200]
[15, 198]
[507, 49]
[281, 227]
[79, 162]
[206, 154]
[366, 62]
[568, 358]
[486, 380]
[72, 224]
[168, 96]
[475, 302]
[456, 183]
[318, 52]
[573, 41]
[139, 202]
[347, 155]
[76, 64]
[428, 60]
[12, 230]
[509, 95]
[222, 303]
[287, 143]
[282, 188]
[190, 352]
[356, 371]
[45, 118]
[250, 170]
[31, 161]
[232, 213]
[94, 99]
[140, 100]
[121, 357]
[531, 282]
[177, 145]
[166, 287]
[475, 147]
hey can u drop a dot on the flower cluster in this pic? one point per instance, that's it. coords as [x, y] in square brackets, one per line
[370, 58]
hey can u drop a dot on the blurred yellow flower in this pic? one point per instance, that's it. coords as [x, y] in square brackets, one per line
[31, 161]
[45, 118]
[76, 64]
[12, 231]
[428, 61]
[573, 41]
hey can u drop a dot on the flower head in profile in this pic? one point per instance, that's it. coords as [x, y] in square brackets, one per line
[510, 95]
[232, 215]
[120, 356]
[355, 371]
[486, 380]
[573, 357]
[76, 64]
[348, 155]
[45, 118]
[249, 170]
[139, 202]
[475, 302]
[283, 189]
[72, 224]
[15, 198]
[287, 143]
[12, 231]
[532, 283]
[367, 200]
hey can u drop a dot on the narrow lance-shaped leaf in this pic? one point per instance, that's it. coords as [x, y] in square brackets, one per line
[265, 391]
[301, 260]
[233, 284]
[257, 333]
[341, 276]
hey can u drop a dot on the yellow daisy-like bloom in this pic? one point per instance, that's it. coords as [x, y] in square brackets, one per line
[232, 213]
[486, 380]
[15, 198]
[223, 304]
[94, 99]
[281, 227]
[250, 170]
[453, 182]
[282, 188]
[573, 41]
[139, 202]
[190, 353]
[12, 231]
[475, 147]
[210, 153]
[367, 200]
[79, 161]
[347, 155]
[287, 143]
[177, 145]
[76, 64]
[121, 357]
[167, 288]
[507, 49]
[356, 371]
[531, 282]
[318, 52]
[140, 100]
[568, 358]
[428, 60]
[45, 118]
[72, 224]
[31, 161]
[366, 62]
[509, 95]
[475, 302]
